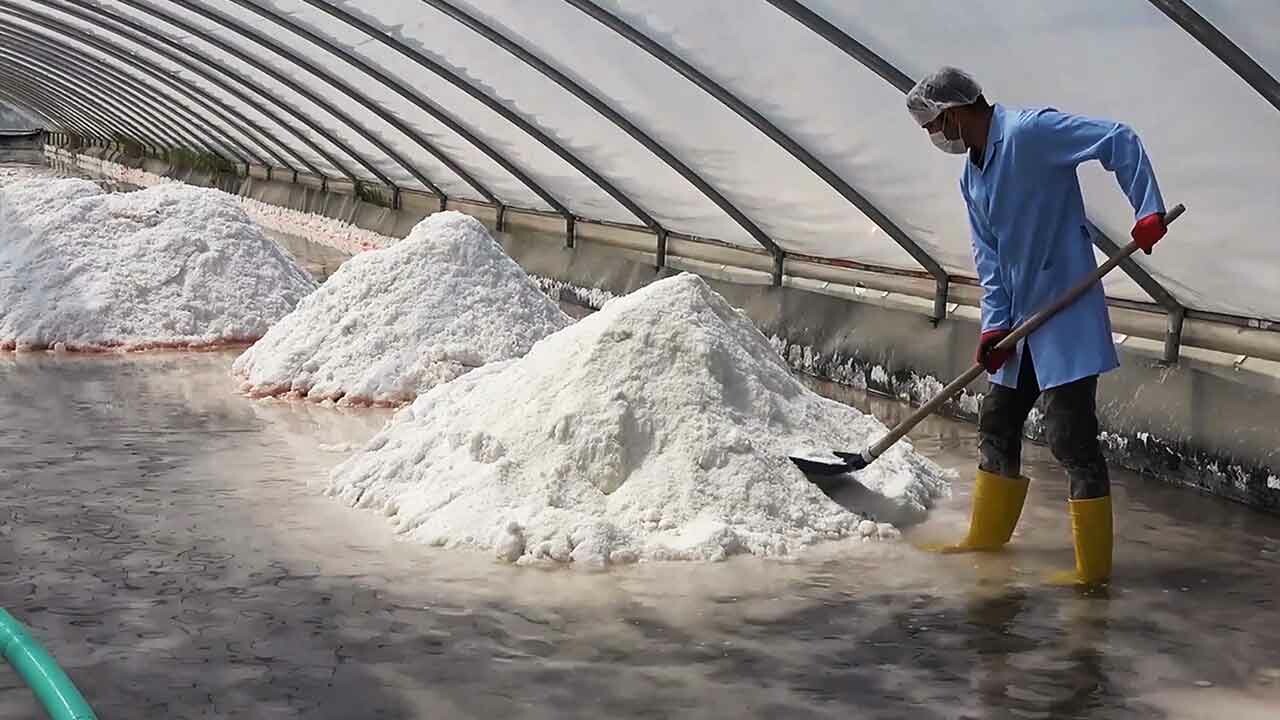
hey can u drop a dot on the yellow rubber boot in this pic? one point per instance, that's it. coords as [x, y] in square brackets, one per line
[1091, 529]
[997, 504]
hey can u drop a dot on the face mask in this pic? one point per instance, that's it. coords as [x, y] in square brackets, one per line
[947, 145]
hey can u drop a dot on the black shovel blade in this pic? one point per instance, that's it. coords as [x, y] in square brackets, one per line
[821, 468]
[855, 461]
[849, 462]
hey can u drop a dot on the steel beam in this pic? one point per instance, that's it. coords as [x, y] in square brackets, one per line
[415, 99]
[773, 132]
[38, 70]
[502, 110]
[24, 104]
[606, 110]
[74, 117]
[230, 116]
[93, 116]
[290, 83]
[286, 53]
[1222, 46]
[900, 80]
[140, 92]
[83, 121]
[60, 114]
[146, 113]
[1174, 309]
[59, 55]
[130, 30]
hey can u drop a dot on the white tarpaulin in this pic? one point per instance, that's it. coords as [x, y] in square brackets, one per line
[1213, 137]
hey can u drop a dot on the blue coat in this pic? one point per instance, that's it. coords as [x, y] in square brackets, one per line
[1031, 241]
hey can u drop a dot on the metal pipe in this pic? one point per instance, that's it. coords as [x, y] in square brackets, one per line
[351, 92]
[38, 73]
[283, 79]
[91, 119]
[746, 112]
[396, 86]
[154, 131]
[416, 100]
[1174, 309]
[69, 119]
[135, 122]
[606, 110]
[231, 117]
[502, 110]
[131, 31]
[57, 56]
[1222, 46]
[125, 85]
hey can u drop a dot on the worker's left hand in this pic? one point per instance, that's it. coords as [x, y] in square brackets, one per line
[1148, 231]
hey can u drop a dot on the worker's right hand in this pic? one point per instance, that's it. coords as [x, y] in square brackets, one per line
[989, 358]
[1148, 231]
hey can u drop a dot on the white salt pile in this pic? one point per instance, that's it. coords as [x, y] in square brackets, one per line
[170, 266]
[392, 323]
[658, 428]
[26, 197]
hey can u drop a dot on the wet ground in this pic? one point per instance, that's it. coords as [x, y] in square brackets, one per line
[160, 535]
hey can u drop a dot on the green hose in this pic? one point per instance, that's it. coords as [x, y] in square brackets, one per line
[52, 687]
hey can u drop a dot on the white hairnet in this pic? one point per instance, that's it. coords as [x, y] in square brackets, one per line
[948, 87]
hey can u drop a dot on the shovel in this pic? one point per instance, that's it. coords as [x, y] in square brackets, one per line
[850, 461]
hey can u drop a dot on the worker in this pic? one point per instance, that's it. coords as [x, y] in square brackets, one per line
[1031, 244]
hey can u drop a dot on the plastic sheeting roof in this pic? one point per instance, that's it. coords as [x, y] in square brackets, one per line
[754, 122]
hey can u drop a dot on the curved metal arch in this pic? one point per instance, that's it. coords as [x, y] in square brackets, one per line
[86, 119]
[595, 103]
[177, 53]
[63, 39]
[240, 124]
[503, 111]
[152, 132]
[162, 112]
[76, 99]
[903, 82]
[1223, 48]
[59, 112]
[38, 69]
[41, 111]
[845, 42]
[422, 104]
[417, 101]
[57, 57]
[71, 117]
[285, 80]
[806, 158]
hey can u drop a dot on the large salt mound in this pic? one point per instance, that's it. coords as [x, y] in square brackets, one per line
[23, 198]
[170, 266]
[392, 323]
[656, 428]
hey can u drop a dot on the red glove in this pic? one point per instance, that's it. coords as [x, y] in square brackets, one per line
[988, 358]
[1148, 231]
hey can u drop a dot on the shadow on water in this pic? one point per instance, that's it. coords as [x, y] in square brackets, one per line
[159, 535]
